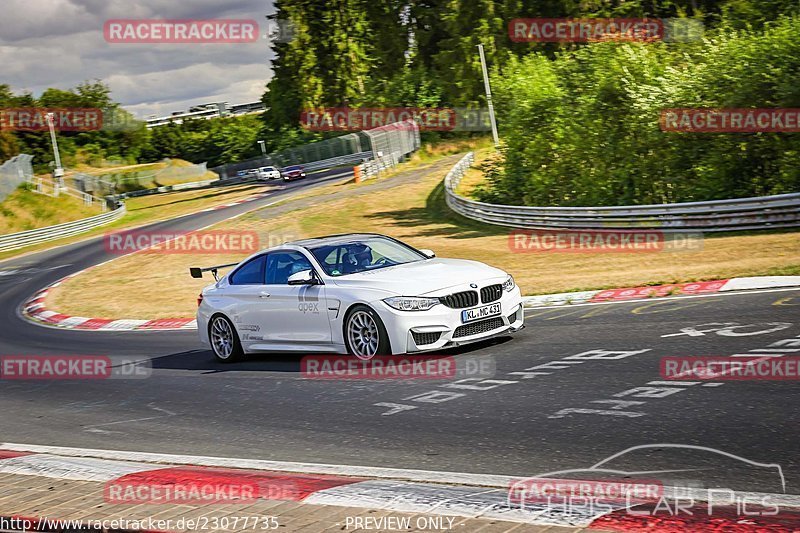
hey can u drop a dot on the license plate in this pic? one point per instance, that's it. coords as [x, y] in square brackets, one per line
[477, 313]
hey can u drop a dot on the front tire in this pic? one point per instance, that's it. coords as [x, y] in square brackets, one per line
[224, 340]
[364, 333]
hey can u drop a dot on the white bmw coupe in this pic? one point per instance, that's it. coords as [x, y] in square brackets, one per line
[362, 294]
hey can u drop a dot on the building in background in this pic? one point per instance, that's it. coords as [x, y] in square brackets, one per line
[206, 111]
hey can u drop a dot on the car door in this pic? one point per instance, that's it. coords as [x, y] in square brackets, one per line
[247, 301]
[296, 314]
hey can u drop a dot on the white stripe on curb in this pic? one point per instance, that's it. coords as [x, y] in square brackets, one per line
[121, 325]
[393, 476]
[469, 502]
[563, 298]
[74, 321]
[76, 469]
[456, 478]
[761, 282]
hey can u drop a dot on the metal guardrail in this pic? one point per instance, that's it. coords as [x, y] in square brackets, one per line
[764, 212]
[227, 176]
[164, 189]
[374, 167]
[340, 161]
[35, 236]
[311, 167]
[43, 186]
[351, 149]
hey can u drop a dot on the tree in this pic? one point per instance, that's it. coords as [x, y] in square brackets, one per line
[9, 147]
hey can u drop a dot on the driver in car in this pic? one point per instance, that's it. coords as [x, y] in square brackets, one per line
[357, 258]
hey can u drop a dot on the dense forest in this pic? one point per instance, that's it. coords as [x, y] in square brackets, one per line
[583, 129]
[578, 121]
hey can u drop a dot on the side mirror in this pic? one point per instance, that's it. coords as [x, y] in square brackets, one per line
[304, 277]
[430, 254]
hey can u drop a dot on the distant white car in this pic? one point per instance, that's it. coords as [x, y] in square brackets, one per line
[269, 173]
[362, 294]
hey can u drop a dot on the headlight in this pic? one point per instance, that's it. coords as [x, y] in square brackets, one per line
[410, 303]
[508, 284]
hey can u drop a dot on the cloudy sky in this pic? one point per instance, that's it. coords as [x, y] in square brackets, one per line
[60, 43]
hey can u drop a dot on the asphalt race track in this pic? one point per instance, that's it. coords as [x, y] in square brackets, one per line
[567, 415]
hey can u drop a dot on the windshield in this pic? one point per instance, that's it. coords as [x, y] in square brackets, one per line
[360, 255]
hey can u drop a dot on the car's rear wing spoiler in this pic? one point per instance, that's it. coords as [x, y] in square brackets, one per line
[197, 272]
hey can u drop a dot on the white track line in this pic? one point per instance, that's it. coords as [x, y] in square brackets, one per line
[662, 298]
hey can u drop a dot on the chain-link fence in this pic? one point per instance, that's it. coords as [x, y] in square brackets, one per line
[336, 150]
[94, 185]
[48, 187]
[392, 141]
[13, 173]
[396, 140]
[318, 151]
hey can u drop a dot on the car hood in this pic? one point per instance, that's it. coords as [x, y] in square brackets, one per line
[424, 277]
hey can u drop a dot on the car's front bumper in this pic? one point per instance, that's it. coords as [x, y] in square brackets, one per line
[442, 327]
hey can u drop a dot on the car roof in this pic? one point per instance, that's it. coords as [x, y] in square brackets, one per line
[329, 240]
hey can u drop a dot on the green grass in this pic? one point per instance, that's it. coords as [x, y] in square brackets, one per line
[144, 210]
[25, 209]
[411, 206]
